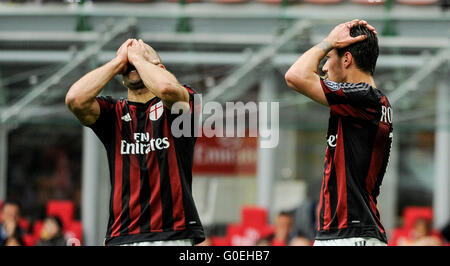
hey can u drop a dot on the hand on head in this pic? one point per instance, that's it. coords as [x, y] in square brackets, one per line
[340, 37]
[132, 50]
[137, 49]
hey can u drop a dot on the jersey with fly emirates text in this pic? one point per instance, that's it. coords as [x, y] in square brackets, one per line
[150, 172]
[359, 140]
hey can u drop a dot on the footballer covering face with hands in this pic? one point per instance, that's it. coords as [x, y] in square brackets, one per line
[151, 199]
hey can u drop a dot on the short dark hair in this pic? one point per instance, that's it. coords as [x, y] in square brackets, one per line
[11, 202]
[365, 53]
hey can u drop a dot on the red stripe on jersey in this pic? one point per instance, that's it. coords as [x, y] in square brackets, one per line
[179, 222]
[189, 90]
[135, 180]
[326, 192]
[156, 223]
[339, 162]
[348, 110]
[118, 164]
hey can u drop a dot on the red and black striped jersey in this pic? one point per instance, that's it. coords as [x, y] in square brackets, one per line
[150, 172]
[359, 140]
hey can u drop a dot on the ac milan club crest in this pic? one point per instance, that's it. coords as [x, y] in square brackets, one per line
[156, 111]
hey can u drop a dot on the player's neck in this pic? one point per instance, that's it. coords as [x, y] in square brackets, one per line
[358, 76]
[140, 95]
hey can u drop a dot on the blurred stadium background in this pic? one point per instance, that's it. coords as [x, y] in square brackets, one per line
[228, 50]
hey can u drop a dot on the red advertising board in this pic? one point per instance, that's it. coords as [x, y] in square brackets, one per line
[230, 156]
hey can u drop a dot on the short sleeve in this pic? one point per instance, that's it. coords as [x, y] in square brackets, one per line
[358, 100]
[193, 115]
[103, 127]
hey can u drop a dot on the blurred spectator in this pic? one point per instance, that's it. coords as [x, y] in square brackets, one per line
[263, 242]
[14, 242]
[283, 227]
[52, 233]
[300, 240]
[421, 235]
[9, 224]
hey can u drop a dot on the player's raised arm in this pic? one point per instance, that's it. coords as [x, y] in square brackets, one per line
[80, 98]
[303, 75]
[156, 78]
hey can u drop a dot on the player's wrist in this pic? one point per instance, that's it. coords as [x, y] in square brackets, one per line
[326, 45]
[118, 65]
[137, 60]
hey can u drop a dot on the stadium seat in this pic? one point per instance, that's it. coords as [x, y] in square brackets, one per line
[412, 213]
[220, 241]
[64, 209]
[75, 229]
[253, 216]
[37, 229]
[410, 216]
[29, 240]
[417, 2]
[253, 227]
[24, 224]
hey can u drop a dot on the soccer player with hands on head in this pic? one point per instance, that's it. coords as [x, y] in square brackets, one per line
[359, 132]
[151, 199]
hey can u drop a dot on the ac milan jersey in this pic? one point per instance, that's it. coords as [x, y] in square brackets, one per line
[359, 140]
[150, 172]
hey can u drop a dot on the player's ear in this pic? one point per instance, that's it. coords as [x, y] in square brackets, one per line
[347, 59]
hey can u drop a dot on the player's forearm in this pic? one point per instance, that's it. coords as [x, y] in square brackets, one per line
[306, 66]
[84, 91]
[160, 82]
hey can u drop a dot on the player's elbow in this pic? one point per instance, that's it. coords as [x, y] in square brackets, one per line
[74, 101]
[294, 81]
[70, 100]
[172, 92]
[167, 89]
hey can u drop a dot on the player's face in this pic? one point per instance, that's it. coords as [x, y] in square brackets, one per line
[131, 78]
[333, 67]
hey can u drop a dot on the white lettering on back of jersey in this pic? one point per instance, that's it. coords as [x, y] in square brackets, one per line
[386, 114]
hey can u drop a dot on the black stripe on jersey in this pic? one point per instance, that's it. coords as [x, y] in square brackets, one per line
[125, 214]
[166, 187]
[387, 153]
[111, 152]
[144, 190]
[356, 180]
[354, 101]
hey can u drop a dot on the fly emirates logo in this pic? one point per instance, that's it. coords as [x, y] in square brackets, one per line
[143, 144]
